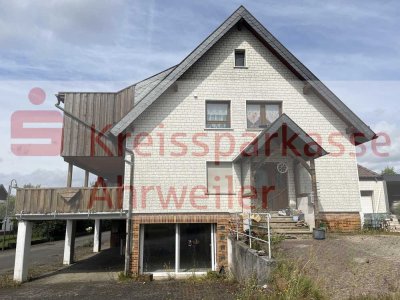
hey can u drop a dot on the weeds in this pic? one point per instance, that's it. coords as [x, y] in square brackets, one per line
[210, 276]
[6, 281]
[123, 277]
[287, 282]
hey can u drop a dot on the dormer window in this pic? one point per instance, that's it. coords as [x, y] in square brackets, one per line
[240, 58]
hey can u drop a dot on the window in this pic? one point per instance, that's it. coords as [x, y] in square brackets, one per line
[366, 193]
[219, 178]
[262, 114]
[173, 248]
[240, 58]
[218, 114]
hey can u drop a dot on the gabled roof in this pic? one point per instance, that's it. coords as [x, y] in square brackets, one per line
[364, 173]
[242, 15]
[292, 130]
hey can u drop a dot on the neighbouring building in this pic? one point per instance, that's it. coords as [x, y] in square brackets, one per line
[240, 125]
[373, 195]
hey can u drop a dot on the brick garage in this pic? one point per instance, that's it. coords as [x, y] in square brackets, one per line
[221, 221]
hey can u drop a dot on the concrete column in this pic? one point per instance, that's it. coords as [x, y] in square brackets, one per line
[97, 236]
[22, 252]
[69, 245]
[70, 172]
[86, 183]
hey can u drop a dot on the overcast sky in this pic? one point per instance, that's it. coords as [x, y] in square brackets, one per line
[98, 45]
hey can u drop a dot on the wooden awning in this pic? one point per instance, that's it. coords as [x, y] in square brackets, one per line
[293, 141]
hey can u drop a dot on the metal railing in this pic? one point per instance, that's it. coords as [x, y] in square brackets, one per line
[240, 222]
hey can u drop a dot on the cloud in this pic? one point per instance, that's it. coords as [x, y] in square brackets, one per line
[387, 150]
[97, 44]
[44, 178]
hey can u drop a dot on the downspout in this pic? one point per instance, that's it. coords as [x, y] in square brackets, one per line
[379, 197]
[315, 192]
[128, 239]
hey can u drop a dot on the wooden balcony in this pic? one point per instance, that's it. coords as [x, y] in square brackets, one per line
[44, 203]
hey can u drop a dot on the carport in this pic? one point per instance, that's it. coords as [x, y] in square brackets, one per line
[393, 190]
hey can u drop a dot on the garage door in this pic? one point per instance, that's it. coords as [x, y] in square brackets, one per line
[366, 202]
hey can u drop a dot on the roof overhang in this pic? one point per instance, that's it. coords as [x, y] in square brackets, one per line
[292, 140]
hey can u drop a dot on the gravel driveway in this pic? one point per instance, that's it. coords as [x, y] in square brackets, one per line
[350, 265]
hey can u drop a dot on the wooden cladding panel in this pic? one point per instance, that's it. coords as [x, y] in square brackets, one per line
[68, 200]
[100, 110]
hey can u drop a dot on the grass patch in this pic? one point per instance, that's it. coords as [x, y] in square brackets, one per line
[123, 277]
[287, 282]
[210, 276]
[6, 281]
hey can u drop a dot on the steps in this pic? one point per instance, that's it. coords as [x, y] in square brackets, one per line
[284, 225]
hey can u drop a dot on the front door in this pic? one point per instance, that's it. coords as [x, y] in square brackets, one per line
[267, 176]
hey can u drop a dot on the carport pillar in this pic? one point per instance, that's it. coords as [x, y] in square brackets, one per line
[22, 252]
[69, 245]
[70, 172]
[97, 236]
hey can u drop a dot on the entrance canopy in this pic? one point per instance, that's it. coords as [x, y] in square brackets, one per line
[293, 141]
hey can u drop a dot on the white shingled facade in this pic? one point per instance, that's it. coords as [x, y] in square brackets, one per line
[180, 113]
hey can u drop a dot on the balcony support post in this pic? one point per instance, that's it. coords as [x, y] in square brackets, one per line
[70, 171]
[86, 183]
[69, 245]
[97, 236]
[23, 250]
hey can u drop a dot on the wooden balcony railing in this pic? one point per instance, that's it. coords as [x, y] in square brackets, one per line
[68, 200]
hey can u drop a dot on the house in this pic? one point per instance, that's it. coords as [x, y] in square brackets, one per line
[373, 193]
[240, 125]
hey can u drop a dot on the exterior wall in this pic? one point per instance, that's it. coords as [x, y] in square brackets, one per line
[246, 265]
[341, 222]
[181, 109]
[222, 221]
[379, 194]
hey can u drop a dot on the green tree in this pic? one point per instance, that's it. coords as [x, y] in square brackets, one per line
[388, 171]
[11, 208]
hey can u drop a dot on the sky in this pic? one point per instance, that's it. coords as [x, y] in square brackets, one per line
[99, 45]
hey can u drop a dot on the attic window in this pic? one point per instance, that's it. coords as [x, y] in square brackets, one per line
[240, 58]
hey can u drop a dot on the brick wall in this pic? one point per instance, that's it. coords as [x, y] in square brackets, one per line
[221, 221]
[340, 222]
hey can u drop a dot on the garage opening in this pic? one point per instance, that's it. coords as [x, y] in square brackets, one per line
[177, 248]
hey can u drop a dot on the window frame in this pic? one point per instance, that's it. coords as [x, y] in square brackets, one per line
[228, 121]
[207, 179]
[260, 103]
[244, 60]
